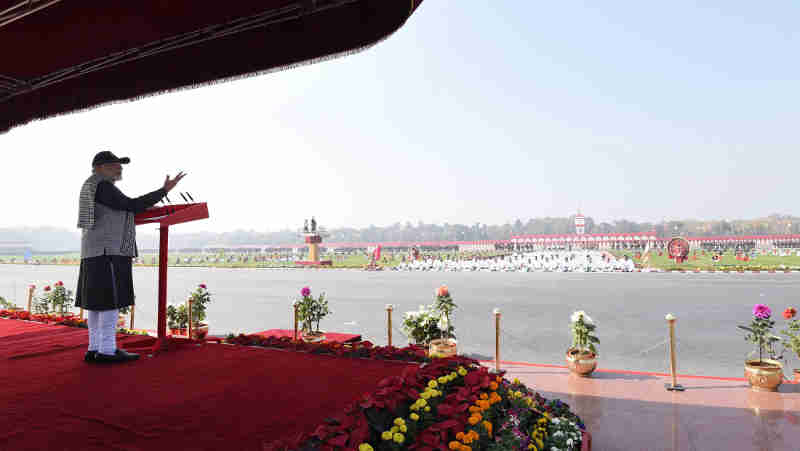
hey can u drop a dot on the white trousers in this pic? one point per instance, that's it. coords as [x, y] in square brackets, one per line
[103, 331]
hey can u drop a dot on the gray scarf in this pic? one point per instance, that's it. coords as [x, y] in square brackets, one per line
[86, 213]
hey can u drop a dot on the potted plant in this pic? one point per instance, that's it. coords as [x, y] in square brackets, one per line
[56, 299]
[177, 319]
[422, 326]
[582, 355]
[200, 298]
[446, 345]
[310, 312]
[791, 341]
[763, 374]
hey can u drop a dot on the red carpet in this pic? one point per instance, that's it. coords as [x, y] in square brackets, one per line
[194, 397]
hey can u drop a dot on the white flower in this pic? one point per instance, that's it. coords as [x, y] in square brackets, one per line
[553, 448]
[670, 317]
[569, 442]
[557, 433]
[556, 421]
[578, 313]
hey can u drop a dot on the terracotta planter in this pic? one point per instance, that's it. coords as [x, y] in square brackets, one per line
[313, 337]
[582, 364]
[764, 376]
[443, 347]
[200, 331]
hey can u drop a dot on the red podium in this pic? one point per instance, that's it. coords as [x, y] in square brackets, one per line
[167, 216]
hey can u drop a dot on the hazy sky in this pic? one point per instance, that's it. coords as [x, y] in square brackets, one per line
[475, 111]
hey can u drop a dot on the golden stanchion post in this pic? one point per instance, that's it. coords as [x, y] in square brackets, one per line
[81, 313]
[31, 289]
[295, 321]
[497, 340]
[133, 309]
[189, 315]
[674, 387]
[389, 308]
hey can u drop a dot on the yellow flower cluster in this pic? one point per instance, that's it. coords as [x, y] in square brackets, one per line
[396, 432]
[365, 447]
[539, 433]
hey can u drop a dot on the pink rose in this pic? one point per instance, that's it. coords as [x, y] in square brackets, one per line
[47, 288]
[305, 292]
[202, 285]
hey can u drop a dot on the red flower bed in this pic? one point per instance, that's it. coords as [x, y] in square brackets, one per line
[363, 349]
[64, 320]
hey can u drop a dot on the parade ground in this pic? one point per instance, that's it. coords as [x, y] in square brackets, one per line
[629, 308]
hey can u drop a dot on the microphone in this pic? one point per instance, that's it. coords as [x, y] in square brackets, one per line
[184, 198]
[190, 196]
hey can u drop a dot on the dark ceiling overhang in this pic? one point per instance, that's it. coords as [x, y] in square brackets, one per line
[59, 56]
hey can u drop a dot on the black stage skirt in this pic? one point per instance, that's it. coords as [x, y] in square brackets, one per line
[105, 283]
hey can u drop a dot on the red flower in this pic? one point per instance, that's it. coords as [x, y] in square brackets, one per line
[60, 283]
[47, 288]
[442, 291]
[789, 313]
[202, 285]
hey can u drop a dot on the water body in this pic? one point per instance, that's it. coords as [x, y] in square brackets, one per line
[628, 308]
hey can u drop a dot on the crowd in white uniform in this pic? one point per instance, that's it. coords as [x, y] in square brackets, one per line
[531, 261]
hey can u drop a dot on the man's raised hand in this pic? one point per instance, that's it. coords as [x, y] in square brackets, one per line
[170, 183]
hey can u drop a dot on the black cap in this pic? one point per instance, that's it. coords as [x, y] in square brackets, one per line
[108, 157]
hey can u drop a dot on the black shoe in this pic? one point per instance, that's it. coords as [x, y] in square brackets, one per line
[89, 357]
[119, 356]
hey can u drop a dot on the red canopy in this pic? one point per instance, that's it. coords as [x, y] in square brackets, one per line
[65, 55]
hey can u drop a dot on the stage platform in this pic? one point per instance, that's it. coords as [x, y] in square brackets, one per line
[198, 397]
[626, 410]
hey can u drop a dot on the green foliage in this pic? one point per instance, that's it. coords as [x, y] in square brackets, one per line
[422, 326]
[582, 332]
[792, 334]
[759, 334]
[200, 300]
[177, 317]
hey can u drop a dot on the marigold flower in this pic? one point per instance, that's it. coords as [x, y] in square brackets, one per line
[459, 435]
[422, 402]
[453, 375]
[453, 445]
[414, 416]
[365, 447]
[473, 409]
[432, 384]
[399, 438]
[425, 395]
[789, 313]
[386, 435]
[462, 372]
[466, 448]
[484, 396]
[394, 429]
[499, 379]
[532, 447]
[473, 420]
[442, 380]
[427, 408]
[399, 421]
[493, 385]
[467, 439]
[516, 381]
[403, 428]
[487, 426]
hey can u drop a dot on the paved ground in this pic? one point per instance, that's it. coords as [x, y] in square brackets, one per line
[626, 411]
[629, 308]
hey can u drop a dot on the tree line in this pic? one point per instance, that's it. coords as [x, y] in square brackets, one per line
[52, 239]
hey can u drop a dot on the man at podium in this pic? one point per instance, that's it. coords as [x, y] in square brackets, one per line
[108, 245]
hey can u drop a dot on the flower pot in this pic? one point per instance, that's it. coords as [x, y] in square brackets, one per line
[200, 331]
[313, 337]
[765, 375]
[442, 347]
[581, 363]
[797, 376]
[177, 331]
